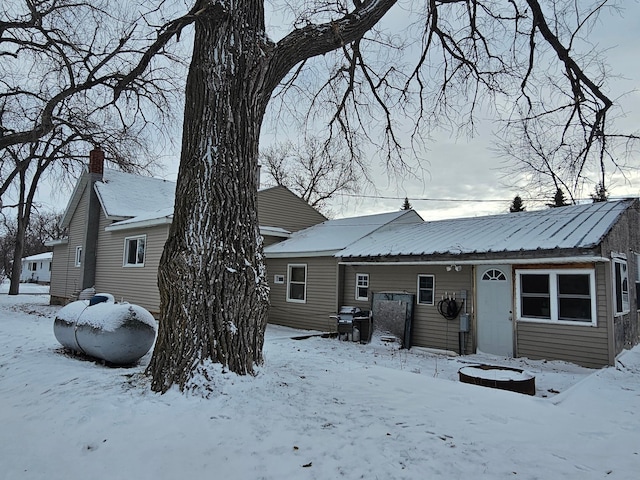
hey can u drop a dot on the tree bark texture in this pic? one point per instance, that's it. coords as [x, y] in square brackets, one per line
[213, 290]
[25, 206]
[18, 249]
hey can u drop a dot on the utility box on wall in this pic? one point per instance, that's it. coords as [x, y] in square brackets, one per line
[465, 319]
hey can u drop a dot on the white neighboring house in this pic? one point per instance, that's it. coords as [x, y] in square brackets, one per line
[37, 268]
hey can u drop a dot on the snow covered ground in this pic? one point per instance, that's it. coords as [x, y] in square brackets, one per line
[318, 409]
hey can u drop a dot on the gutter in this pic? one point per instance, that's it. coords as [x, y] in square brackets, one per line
[506, 261]
[307, 254]
[167, 220]
[141, 224]
[59, 241]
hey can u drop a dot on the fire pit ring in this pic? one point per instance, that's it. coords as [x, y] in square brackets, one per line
[503, 378]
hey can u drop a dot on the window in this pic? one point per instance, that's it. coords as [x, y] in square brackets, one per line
[362, 286]
[78, 256]
[535, 296]
[32, 266]
[562, 296]
[134, 248]
[297, 283]
[494, 275]
[278, 279]
[620, 286]
[426, 288]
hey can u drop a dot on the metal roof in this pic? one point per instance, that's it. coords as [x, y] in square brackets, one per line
[572, 227]
[326, 238]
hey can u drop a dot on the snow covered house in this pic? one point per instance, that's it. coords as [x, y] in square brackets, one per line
[36, 268]
[556, 284]
[118, 224]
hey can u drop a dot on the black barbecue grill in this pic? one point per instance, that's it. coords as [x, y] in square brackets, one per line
[349, 319]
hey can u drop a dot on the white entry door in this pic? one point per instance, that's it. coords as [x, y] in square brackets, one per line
[493, 315]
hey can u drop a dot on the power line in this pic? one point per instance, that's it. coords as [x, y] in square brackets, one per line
[463, 200]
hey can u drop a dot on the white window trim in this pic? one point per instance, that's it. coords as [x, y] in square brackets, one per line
[553, 295]
[78, 258]
[358, 286]
[433, 298]
[637, 281]
[289, 267]
[125, 255]
[626, 306]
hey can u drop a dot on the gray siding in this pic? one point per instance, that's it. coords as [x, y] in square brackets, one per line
[624, 238]
[59, 265]
[584, 345]
[430, 329]
[66, 279]
[278, 207]
[321, 294]
[138, 285]
[269, 240]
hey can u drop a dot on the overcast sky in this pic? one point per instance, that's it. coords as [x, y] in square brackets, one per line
[457, 167]
[467, 169]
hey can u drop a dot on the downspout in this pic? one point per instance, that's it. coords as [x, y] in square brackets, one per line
[610, 320]
[512, 313]
[474, 308]
[339, 289]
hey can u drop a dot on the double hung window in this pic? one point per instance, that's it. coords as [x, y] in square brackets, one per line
[134, 250]
[297, 283]
[620, 286]
[362, 286]
[426, 289]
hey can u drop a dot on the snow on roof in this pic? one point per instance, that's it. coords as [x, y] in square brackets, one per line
[126, 195]
[333, 235]
[156, 217]
[274, 231]
[38, 257]
[579, 226]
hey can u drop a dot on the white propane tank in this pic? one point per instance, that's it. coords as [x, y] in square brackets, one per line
[119, 333]
[356, 334]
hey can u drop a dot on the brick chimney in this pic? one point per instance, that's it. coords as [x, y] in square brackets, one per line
[96, 161]
[96, 169]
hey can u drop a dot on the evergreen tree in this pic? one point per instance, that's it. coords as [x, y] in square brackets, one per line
[558, 200]
[517, 205]
[406, 205]
[601, 194]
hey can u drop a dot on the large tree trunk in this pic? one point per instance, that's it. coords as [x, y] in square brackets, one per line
[18, 250]
[22, 223]
[213, 290]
